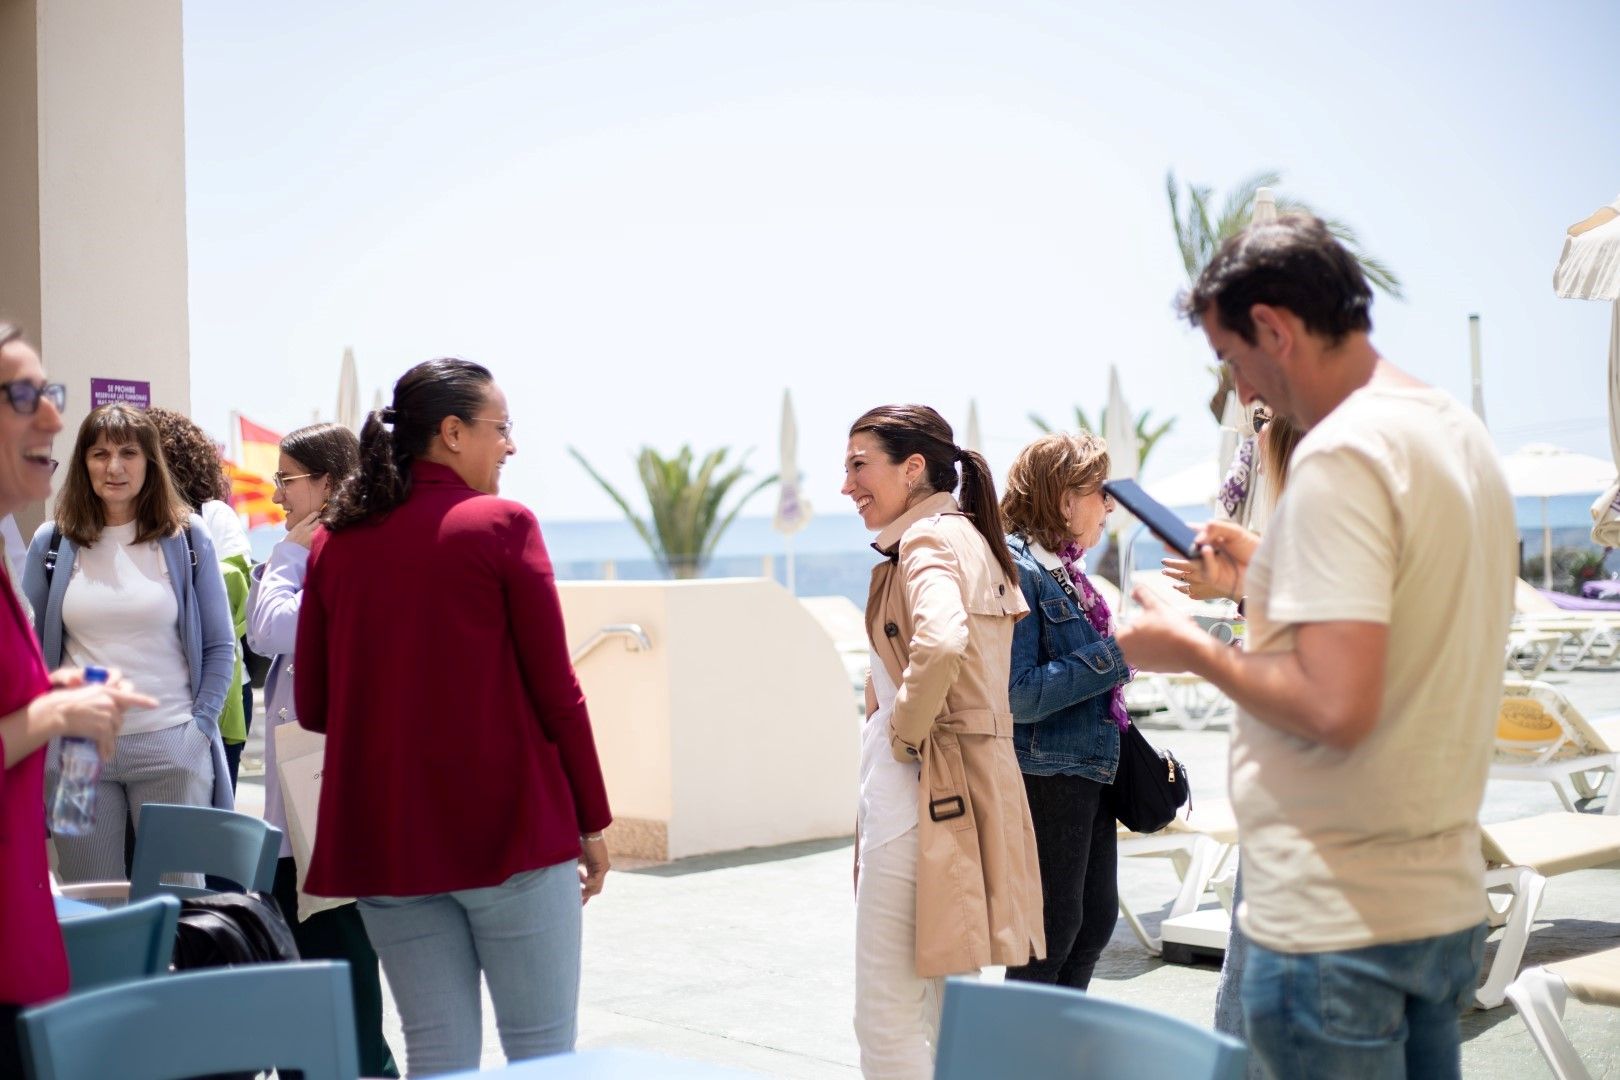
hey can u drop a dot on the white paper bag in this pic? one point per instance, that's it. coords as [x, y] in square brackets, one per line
[300, 756]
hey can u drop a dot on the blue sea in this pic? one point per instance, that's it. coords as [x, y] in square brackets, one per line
[833, 556]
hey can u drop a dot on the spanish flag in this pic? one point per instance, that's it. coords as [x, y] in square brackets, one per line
[250, 497]
[258, 448]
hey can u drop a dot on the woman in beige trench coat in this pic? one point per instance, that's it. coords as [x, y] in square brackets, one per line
[946, 875]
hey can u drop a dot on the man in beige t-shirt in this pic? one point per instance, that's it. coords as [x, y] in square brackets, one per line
[1378, 604]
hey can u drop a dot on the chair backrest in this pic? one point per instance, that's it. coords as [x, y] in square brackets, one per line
[290, 1016]
[1538, 716]
[134, 942]
[1038, 1032]
[198, 839]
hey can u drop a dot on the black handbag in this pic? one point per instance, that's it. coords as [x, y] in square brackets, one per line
[1149, 786]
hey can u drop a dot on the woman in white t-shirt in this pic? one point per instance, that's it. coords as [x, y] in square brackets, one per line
[125, 577]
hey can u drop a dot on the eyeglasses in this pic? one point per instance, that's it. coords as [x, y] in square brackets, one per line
[282, 481]
[504, 427]
[25, 396]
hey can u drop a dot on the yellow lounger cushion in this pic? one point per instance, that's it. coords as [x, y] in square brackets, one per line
[1526, 722]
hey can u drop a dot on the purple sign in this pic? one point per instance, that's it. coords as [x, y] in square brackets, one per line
[120, 392]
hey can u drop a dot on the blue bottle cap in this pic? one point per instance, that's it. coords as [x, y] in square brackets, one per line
[94, 674]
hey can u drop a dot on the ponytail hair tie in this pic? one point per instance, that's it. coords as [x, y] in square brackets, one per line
[959, 454]
[387, 414]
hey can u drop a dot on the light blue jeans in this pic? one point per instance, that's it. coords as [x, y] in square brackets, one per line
[1385, 1012]
[523, 935]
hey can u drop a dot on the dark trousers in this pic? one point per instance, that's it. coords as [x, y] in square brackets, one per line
[1078, 853]
[338, 934]
[11, 1066]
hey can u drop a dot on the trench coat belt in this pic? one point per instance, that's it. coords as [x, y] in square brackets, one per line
[975, 722]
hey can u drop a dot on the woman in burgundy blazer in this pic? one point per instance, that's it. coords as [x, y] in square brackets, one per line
[34, 709]
[461, 783]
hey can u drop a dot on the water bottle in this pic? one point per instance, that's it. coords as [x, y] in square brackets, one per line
[73, 810]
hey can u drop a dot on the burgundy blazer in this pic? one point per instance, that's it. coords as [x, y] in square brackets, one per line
[431, 651]
[33, 964]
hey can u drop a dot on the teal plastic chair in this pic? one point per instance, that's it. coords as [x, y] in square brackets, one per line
[290, 1016]
[134, 942]
[1037, 1032]
[198, 839]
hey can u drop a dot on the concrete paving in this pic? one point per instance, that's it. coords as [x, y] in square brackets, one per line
[745, 959]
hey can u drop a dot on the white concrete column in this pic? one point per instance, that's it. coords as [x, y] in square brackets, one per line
[93, 194]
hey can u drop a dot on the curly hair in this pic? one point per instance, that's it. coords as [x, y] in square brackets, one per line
[192, 456]
[1039, 476]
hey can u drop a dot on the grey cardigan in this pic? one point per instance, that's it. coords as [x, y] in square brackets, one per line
[207, 633]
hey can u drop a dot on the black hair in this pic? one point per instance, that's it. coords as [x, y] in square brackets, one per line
[394, 437]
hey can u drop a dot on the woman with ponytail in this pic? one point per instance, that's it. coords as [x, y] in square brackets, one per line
[946, 876]
[462, 799]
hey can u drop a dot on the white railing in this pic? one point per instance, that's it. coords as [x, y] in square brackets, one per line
[635, 640]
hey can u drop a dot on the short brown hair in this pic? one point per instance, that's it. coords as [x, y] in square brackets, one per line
[159, 509]
[192, 457]
[1294, 263]
[1042, 472]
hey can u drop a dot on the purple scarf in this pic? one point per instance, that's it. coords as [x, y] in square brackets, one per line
[1072, 556]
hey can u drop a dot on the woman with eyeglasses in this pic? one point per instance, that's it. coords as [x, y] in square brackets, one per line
[199, 477]
[315, 461]
[462, 800]
[1067, 696]
[35, 708]
[126, 577]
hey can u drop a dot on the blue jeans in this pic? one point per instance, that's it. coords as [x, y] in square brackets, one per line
[523, 935]
[1384, 1012]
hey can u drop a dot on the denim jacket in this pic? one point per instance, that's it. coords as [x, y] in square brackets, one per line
[1062, 671]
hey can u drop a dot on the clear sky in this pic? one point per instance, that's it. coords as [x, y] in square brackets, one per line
[650, 218]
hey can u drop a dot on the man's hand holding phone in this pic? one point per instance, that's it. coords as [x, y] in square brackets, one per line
[1224, 550]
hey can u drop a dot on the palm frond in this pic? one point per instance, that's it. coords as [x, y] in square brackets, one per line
[624, 506]
[684, 496]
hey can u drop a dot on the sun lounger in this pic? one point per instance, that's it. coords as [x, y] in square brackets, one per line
[1520, 856]
[1540, 994]
[1541, 735]
[1198, 847]
[1593, 636]
[1530, 652]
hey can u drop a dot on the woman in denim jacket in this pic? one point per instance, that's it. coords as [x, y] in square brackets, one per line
[1067, 679]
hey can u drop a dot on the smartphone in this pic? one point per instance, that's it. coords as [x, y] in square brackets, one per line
[1176, 534]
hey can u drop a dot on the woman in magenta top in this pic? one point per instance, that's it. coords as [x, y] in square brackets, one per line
[34, 708]
[461, 788]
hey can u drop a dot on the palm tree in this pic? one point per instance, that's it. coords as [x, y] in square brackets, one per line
[1199, 235]
[1146, 433]
[686, 519]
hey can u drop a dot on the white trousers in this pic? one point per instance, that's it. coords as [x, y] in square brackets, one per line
[896, 1010]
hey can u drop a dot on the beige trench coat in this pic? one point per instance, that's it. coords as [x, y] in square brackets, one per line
[940, 617]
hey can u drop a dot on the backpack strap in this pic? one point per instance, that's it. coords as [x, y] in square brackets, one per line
[191, 550]
[50, 555]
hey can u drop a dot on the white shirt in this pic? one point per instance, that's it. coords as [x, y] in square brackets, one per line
[120, 611]
[888, 803]
[1396, 512]
[225, 529]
